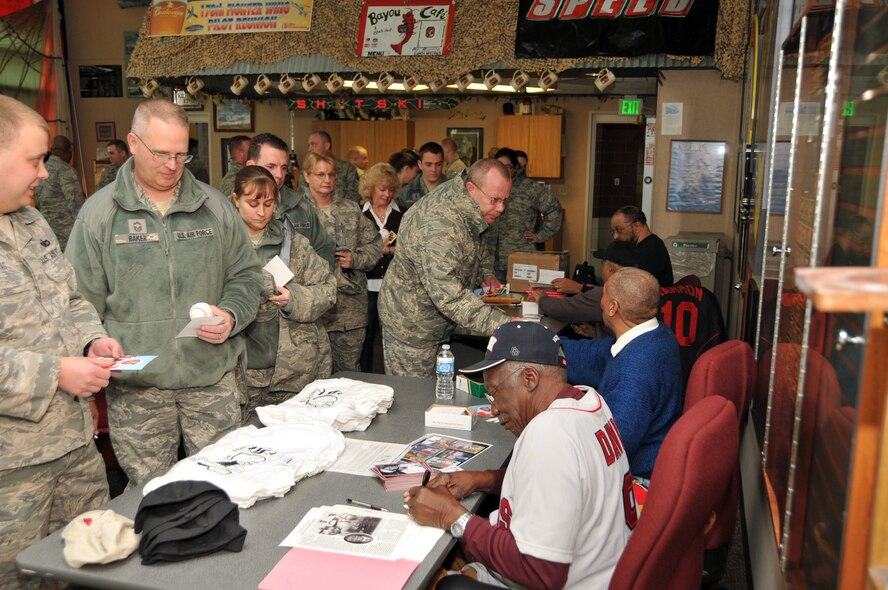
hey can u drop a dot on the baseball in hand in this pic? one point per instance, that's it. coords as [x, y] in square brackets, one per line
[200, 310]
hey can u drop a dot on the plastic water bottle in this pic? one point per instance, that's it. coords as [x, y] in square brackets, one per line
[444, 372]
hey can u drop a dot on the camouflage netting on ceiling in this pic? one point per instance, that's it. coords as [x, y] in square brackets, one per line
[483, 34]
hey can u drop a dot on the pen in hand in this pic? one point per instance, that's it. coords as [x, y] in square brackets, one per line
[425, 478]
[365, 505]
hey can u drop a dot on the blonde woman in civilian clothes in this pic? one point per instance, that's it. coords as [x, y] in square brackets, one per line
[287, 344]
[358, 249]
[378, 187]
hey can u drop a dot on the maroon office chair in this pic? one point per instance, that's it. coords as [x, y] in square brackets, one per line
[727, 370]
[692, 472]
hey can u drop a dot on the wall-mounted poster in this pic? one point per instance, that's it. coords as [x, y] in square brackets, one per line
[205, 17]
[696, 176]
[106, 131]
[393, 28]
[469, 143]
[232, 115]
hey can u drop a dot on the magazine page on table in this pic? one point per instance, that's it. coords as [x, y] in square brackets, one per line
[363, 532]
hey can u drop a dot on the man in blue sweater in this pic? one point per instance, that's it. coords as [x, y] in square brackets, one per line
[639, 374]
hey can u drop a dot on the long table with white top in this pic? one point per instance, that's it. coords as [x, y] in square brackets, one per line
[269, 521]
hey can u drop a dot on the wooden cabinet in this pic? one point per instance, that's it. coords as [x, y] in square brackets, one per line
[539, 136]
[381, 138]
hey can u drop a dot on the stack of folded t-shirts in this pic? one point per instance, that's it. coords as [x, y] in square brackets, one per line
[187, 519]
[345, 404]
[254, 463]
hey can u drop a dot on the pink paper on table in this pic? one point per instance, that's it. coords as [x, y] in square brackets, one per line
[305, 568]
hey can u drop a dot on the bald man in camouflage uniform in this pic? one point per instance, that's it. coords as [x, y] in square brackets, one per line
[514, 230]
[441, 257]
[50, 470]
[60, 196]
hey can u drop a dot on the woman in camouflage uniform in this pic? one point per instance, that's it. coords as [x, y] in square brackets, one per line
[358, 249]
[287, 344]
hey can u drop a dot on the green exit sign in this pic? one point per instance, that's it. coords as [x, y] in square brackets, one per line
[630, 106]
[848, 110]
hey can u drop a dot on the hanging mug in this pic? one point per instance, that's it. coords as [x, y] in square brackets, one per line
[410, 83]
[436, 85]
[519, 80]
[286, 84]
[148, 87]
[463, 81]
[239, 85]
[359, 82]
[548, 79]
[385, 80]
[310, 82]
[492, 79]
[194, 85]
[262, 84]
[604, 79]
[334, 83]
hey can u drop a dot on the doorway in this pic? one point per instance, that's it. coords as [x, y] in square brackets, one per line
[616, 167]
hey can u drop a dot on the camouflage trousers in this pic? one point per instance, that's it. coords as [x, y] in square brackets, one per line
[405, 360]
[146, 422]
[346, 346]
[38, 499]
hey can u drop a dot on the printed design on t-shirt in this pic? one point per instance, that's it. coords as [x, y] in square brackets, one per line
[238, 460]
[504, 521]
[322, 398]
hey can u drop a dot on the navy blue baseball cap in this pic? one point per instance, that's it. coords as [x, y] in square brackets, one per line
[530, 342]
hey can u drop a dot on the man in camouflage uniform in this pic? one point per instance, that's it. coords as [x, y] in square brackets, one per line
[514, 230]
[50, 470]
[453, 165]
[441, 257]
[118, 154]
[271, 152]
[346, 173]
[431, 174]
[238, 152]
[359, 158]
[146, 248]
[196, 166]
[60, 196]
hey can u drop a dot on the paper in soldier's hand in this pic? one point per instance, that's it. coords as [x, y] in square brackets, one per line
[190, 329]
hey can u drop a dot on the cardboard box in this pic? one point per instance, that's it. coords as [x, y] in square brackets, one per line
[524, 267]
[474, 388]
[446, 416]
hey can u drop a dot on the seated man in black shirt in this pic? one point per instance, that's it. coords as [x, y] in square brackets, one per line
[629, 224]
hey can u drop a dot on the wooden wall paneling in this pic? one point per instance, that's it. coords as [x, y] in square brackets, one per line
[390, 137]
[539, 136]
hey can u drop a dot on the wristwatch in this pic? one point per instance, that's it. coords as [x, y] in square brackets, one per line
[458, 528]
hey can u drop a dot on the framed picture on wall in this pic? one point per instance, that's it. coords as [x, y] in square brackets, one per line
[469, 143]
[696, 176]
[106, 131]
[232, 115]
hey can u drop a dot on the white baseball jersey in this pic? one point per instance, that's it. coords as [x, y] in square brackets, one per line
[567, 495]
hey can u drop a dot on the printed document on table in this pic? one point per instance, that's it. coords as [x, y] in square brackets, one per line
[363, 532]
[360, 456]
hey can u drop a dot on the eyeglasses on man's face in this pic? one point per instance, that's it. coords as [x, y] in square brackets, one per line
[495, 201]
[493, 389]
[164, 157]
